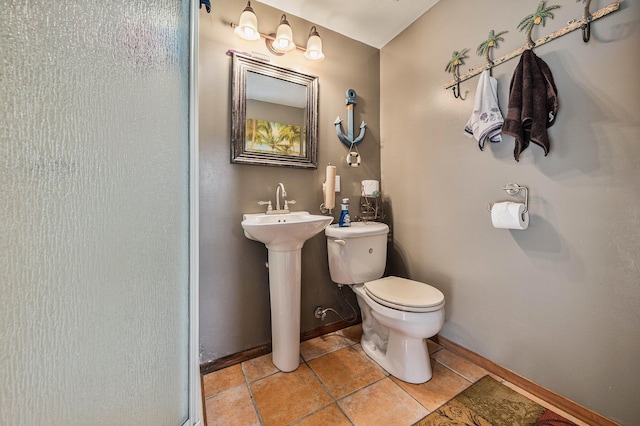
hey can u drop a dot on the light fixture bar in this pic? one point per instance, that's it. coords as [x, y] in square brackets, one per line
[271, 38]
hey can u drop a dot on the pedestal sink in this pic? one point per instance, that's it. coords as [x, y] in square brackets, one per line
[284, 235]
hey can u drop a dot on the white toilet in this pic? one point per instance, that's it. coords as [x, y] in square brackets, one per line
[397, 314]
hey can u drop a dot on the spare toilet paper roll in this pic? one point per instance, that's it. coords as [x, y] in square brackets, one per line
[369, 187]
[329, 188]
[508, 215]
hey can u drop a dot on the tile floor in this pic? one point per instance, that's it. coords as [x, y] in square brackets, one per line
[336, 384]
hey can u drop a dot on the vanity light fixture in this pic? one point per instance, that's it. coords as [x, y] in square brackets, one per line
[282, 41]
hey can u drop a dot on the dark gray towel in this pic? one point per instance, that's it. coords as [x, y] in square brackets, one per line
[533, 104]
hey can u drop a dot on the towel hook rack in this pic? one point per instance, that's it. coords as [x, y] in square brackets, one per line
[513, 189]
[571, 26]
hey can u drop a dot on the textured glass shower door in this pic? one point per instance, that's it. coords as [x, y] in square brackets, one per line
[94, 212]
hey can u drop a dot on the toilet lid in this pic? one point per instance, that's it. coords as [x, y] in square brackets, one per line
[405, 295]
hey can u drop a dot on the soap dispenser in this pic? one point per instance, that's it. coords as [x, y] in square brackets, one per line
[345, 218]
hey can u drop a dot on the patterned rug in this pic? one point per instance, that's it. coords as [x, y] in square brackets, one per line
[489, 403]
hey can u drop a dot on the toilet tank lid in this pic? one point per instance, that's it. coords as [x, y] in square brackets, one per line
[357, 229]
[405, 292]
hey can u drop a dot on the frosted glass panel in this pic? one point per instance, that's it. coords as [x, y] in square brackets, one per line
[94, 263]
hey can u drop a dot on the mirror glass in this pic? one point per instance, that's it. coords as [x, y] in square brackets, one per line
[274, 116]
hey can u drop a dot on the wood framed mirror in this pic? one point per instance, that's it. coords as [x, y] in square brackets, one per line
[274, 117]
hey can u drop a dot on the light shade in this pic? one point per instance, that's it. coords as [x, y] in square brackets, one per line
[284, 36]
[248, 26]
[314, 46]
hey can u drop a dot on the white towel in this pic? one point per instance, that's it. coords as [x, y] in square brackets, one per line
[486, 119]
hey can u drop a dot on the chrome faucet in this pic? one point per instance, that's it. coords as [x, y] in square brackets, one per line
[285, 208]
[284, 194]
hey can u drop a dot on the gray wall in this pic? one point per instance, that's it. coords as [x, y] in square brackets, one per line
[234, 292]
[559, 302]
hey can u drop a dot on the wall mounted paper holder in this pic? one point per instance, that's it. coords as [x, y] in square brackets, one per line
[513, 189]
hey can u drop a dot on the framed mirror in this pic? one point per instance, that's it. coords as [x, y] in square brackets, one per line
[274, 117]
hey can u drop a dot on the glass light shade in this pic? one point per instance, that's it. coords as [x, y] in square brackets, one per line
[248, 26]
[314, 46]
[284, 36]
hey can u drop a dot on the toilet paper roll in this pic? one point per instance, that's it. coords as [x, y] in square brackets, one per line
[369, 187]
[329, 188]
[509, 215]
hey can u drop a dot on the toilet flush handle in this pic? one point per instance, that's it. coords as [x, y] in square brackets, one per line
[340, 242]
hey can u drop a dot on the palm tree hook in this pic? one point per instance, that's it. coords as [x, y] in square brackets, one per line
[586, 27]
[486, 46]
[457, 59]
[536, 18]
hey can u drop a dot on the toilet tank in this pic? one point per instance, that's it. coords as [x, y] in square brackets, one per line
[358, 253]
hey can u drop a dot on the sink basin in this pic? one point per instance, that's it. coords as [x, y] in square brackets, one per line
[283, 232]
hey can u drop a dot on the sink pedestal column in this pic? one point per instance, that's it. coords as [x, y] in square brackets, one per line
[284, 287]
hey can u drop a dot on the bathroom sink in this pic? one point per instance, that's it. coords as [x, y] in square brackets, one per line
[283, 232]
[284, 235]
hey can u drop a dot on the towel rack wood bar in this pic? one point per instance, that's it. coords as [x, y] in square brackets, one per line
[576, 24]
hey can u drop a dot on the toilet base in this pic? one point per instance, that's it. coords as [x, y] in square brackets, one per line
[395, 339]
[408, 360]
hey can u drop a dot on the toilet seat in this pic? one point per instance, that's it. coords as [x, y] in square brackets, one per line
[405, 295]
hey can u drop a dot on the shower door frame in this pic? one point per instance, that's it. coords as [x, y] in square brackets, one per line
[196, 411]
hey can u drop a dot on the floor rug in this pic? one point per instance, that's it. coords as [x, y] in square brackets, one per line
[489, 403]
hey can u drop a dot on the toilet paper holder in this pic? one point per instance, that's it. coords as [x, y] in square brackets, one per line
[513, 189]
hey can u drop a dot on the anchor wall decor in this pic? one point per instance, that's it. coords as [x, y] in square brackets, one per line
[348, 140]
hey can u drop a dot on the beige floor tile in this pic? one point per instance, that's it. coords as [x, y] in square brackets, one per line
[352, 334]
[319, 346]
[361, 351]
[285, 397]
[327, 416]
[258, 368]
[463, 367]
[345, 371]
[366, 393]
[230, 408]
[222, 380]
[444, 385]
[382, 403]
